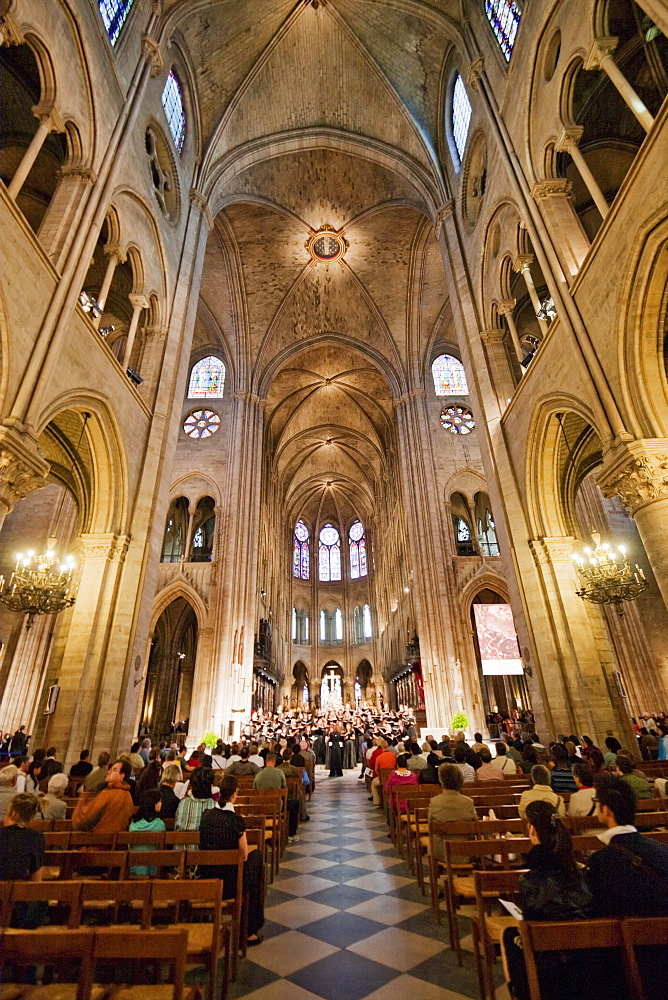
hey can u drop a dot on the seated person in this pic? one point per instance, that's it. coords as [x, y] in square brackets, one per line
[540, 791]
[624, 768]
[109, 808]
[486, 771]
[502, 761]
[415, 761]
[583, 802]
[83, 768]
[450, 806]
[22, 857]
[53, 804]
[171, 775]
[242, 766]
[197, 800]
[384, 760]
[402, 775]
[147, 818]
[222, 830]
[554, 888]
[561, 775]
[468, 772]
[429, 774]
[272, 776]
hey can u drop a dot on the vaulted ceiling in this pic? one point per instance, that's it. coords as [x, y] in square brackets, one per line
[322, 115]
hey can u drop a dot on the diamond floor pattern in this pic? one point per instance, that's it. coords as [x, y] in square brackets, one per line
[345, 919]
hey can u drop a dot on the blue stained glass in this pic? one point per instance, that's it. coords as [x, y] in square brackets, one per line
[504, 17]
[114, 13]
[305, 561]
[461, 116]
[300, 552]
[172, 102]
[296, 559]
[354, 561]
[207, 379]
[449, 376]
[357, 544]
[329, 554]
[362, 545]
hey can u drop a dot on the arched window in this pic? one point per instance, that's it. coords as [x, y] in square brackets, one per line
[300, 552]
[366, 619]
[357, 542]
[114, 13]
[207, 379]
[324, 627]
[460, 120]
[300, 626]
[294, 624]
[176, 527]
[329, 554]
[172, 102]
[358, 625]
[331, 627]
[504, 17]
[204, 524]
[338, 625]
[487, 539]
[449, 376]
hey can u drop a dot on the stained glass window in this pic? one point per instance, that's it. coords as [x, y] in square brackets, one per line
[487, 535]
[329, 554]
[300, 552]
[172, 102]
[366, 617]
[358, 625]
[207, 379]
[461, 116]
[449, 376]
[114, 13]
[357, 542]
[504, 17]
[463, 531]
[457, 420]
[338, 626]
[201, 424]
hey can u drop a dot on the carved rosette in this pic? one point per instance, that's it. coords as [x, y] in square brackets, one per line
[19, 476]
[641, 481]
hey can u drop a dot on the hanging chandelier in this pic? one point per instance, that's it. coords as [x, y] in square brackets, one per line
[40, 584]
[605, 576]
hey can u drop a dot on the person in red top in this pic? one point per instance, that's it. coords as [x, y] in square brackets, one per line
[383, 760]
[400, 776]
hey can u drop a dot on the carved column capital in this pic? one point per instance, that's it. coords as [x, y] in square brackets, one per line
[152, 54]
[476, 69]
[47, 115]
[198, 200]
[600, 50]
[551, 189]
[22, 469]
[568, 137]
[10, 33]
[552, 550]
[443, 213]
[138, 301]
[114, 252]
[523, 262]
[637, 474]
[506, 307]
[104, 545]
[492, 335]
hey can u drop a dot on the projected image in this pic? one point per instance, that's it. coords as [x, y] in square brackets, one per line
[497, 640]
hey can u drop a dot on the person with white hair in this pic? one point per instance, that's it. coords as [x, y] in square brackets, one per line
[53, 803]
[8, 776]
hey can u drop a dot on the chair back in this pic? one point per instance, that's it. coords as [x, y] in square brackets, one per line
[43, 825]
[219, 858]
[169, 945]
[112, 894]
[81, 860]
[102, 840]
[176, 892]
[133, 837]
[62, 893]
[22, 947]
[163, 861]
[648, 932]
[571, 935]
[56, 841]
[185, 837]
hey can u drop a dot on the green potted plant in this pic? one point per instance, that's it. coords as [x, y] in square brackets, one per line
[209, 739]
[459, 721]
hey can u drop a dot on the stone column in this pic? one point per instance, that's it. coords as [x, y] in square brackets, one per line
[638, 474]
[568, 143]
[506, 308]
[22, 469]
[61, 222]
[498, 363]
[600, 57]
[114, 258]
[49, 121]
[523, 266]
[570, 240]
[138, 302]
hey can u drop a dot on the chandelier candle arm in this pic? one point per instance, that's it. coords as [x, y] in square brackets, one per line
[606, 577]
[40, 584]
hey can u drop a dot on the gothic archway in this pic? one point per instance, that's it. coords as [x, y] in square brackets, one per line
[171, 668]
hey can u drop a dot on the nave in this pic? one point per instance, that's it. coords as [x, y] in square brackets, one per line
[345, 919]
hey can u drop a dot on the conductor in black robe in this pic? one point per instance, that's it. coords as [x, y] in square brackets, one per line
[335, 744]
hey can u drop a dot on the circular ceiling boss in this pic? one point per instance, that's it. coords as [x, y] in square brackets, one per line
[326, 246]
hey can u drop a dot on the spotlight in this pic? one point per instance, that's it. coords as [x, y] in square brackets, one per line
[89, 305]
[104, 331]
[134, 376]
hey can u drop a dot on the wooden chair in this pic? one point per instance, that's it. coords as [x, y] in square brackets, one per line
[63, 949]
[436, 831]
[129, 839]
[105, 841]
[488, 928]
[80, 862]
[135, 946]
[650, 932]
[62, 825]
[205, 942]
[232, 907]
[181, 839]
[108, 897]
[43, 825]
[163, 861]
[57, 895]
[572, 935]
[73, 787]
[56, 841]
[272, 822]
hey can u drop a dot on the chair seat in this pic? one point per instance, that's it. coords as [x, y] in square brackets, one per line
[464, 886]
[497, 924]
[163, 992]
[200, 937]
[56, 991]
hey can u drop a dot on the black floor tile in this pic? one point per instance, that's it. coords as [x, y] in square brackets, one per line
[250, 977]
[348, 977]
[342, 897]
[342, 929]
[342, 873]
[442, 970]
[425, 925]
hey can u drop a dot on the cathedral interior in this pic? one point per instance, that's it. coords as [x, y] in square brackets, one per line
[330, 330]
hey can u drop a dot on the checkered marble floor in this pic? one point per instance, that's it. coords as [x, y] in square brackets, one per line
[345, 919]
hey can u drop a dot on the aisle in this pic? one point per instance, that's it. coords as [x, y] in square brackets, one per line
[345, 918]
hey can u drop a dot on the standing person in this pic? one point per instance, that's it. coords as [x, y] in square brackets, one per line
[146, 819]
[19, 742]
[554, 888]
[222, 830]
[109, 808]
[335, 745]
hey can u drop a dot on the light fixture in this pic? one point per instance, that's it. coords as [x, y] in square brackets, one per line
[548, 310]
[40, 584]
[134, 376]
[605, 576]
[89, 305]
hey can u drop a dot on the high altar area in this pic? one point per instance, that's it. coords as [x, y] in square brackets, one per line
[330, 330]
